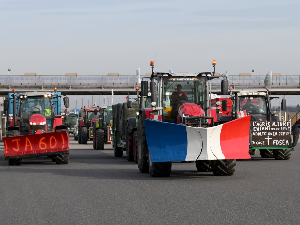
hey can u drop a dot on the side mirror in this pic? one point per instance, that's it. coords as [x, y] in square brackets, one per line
[224, 105]
[224, 87]
[129, 104]
[144, 88]
[95, 111]
[81, 114]
[283, 104]
[66, 102]
[6, 105]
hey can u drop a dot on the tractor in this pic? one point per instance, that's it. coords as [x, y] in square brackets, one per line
[268, 134]
[182, 127]
[124, 123]
[35, 129]
[102, 129]
[85, 126]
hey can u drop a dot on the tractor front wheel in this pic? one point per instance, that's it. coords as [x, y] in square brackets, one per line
[14, 162]
[282, 154]
[129, 147]
[266, 153]
[225, 167]
[203, 165]
[143, 155]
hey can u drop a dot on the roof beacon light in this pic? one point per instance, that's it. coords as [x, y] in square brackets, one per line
[152, 63]
[55, 89]
[137, 88]
[214, 62]
[13, 90]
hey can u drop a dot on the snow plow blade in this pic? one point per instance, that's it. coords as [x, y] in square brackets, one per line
[35, 144]
[174, 142]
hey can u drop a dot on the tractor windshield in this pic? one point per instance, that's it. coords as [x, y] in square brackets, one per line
[92, 116]
[254, 106]
[72, 120]
[180, 90]
[34, 105]
[107, 117]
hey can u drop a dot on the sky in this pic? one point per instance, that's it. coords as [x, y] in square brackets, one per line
[94, 37]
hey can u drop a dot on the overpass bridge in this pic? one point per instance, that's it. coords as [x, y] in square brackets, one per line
[73, 84]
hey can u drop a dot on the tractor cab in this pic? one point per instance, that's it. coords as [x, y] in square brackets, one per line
[256, 104]
[35, 113]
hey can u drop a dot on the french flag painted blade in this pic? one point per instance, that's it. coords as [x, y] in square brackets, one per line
[174, 142]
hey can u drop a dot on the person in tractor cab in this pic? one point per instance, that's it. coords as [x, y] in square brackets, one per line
[248, 105]
[178, 95]
[176, 99]
[36, 107]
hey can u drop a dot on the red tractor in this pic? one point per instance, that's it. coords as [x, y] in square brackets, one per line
[182, 127]
[36, 130]
[87, 116]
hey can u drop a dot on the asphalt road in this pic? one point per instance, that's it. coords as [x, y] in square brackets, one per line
[96, 188]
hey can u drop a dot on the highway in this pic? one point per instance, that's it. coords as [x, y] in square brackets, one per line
[96, 188]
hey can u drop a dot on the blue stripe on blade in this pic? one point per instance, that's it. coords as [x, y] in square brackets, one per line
[166, 141]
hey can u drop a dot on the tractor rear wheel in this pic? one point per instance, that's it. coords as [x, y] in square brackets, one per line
[84, 135]
[282, 154]
[99, 139]
[225, 167]
[266, 153]
[129, 147]
[203, 165]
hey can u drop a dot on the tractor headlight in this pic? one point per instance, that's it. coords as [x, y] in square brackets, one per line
[30, 123]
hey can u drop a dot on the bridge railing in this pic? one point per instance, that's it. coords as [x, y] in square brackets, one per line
[131, 79]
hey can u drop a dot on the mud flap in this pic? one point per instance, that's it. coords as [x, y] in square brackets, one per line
[174, 142]
[34, 144]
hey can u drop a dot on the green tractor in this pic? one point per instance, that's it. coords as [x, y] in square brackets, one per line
[102, 129]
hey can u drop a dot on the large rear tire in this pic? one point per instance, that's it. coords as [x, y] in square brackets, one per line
[282, 154]
[225, 167]
[84, 135]
[129, 147]
[266, 153]
[203, 165]
[99, 139]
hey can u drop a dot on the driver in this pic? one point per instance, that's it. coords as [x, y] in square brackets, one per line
[248, 105]
[178, 95]
[36, 107]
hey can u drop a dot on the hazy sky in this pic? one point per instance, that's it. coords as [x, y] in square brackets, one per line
[99, 37]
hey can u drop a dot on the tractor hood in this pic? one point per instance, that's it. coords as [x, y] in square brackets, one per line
[191, 109]
[37, 119]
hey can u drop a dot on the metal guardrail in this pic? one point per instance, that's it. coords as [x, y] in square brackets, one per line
[131, 79]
